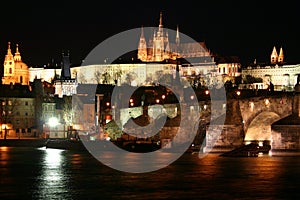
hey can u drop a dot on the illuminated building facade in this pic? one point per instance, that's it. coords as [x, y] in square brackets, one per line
[283, 76]
[15, 70]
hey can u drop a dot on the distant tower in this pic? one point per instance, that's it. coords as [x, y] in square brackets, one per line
[281, 56]
[142, 48]
[274, 56]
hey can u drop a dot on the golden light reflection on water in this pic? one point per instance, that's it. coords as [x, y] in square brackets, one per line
[76, 159]
[4, 156]
[4, 148]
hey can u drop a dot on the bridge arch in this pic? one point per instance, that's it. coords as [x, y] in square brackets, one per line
[259, 127]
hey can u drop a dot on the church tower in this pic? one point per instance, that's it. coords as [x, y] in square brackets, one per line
[281, 56]
[9, 64]
[274, 56]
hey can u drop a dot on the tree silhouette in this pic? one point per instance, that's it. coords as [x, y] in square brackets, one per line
[8, 108]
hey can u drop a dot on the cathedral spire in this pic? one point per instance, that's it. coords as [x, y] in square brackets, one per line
[160, 20]
[142, 32]
[177, 36]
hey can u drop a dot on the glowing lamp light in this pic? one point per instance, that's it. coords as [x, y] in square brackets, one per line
[163, 96]
[157, 100]
[53, 121]
[238, 93]
[192, 97]
[206, 92]
[267, 102]
[3, 126]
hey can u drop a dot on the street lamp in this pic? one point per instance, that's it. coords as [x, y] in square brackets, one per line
[52, 122]
[131, 102]
[163, 97]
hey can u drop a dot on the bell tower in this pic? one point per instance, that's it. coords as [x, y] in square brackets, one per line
[9, 63]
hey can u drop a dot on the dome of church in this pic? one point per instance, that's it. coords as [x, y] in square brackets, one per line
[20, 65]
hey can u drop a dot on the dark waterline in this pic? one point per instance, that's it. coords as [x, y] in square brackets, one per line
[39, 173]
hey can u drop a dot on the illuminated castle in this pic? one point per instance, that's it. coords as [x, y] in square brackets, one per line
[15, 70]
[159, 47]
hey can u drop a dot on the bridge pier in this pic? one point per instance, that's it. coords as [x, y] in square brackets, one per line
[225, 132]
[286, 131]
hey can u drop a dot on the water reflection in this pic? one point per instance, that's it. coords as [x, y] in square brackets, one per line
[28, 173]
[53, 181]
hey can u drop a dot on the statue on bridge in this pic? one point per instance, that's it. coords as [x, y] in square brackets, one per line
[297, 86]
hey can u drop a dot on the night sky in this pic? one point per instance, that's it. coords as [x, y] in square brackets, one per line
[248, 29]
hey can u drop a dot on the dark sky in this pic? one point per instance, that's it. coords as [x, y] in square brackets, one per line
[248, 29]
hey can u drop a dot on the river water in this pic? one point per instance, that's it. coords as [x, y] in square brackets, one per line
[39, 173]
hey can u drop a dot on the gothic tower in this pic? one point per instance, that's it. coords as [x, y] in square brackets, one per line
[65, 85]
[158, 42]
[274, 56]
[142, 48]
[281, 56]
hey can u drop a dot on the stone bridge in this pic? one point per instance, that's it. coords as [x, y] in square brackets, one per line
[247, 119]
[238, 120]
[258, 114]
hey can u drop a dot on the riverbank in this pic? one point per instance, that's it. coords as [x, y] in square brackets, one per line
[28, 142]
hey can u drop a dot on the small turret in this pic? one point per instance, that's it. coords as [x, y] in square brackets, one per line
[17, 56]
